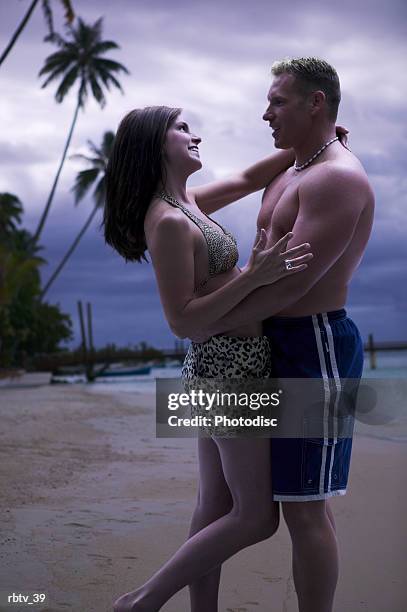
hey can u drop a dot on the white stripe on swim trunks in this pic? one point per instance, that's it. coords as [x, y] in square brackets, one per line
[338, 389]
[316, 497]
[327, 397]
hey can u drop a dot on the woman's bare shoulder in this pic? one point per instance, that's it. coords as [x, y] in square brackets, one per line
[164, 222]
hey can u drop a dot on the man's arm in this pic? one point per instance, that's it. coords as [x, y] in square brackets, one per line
[330, 203]
[218, 194]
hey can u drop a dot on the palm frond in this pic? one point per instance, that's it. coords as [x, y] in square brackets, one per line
[109, 65]
[83, 182]
[57, 72]
[55, 60]
[107, 143]
[96, 150]
[11, 211]
[99, 194]
[90, 160]
[97, 28]
[23, 242]
[116, 83]
[85, 178]
[66, 84]
[104, 45]
[97, 91]
[55, 38]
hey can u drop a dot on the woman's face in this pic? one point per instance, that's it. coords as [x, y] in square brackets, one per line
[181, 151]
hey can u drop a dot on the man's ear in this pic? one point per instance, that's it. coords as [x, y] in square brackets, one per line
[317, 101]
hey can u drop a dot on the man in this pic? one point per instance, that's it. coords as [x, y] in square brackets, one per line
[324, 199]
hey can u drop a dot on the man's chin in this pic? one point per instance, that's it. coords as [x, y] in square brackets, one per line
[281, 145]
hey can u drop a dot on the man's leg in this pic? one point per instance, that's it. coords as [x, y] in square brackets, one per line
[315, 554]
[330, 514]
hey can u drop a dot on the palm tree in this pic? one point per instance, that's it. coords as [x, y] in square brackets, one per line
[84, 180]
[79, 60]
[11, 210]
[18, 254]
[19, 274]
[46, 7]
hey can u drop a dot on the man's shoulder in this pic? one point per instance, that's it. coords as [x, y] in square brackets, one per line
[334, 188]
[336, 176]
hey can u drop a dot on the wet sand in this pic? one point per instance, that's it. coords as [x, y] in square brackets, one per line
[93, 503]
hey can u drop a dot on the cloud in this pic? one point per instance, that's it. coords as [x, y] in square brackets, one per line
[213, 59]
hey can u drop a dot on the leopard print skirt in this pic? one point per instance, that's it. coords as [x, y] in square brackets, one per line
[230, 364]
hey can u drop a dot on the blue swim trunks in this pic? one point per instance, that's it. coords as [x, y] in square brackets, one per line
[326, 346]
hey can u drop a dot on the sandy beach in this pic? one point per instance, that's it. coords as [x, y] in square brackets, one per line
[92, 503]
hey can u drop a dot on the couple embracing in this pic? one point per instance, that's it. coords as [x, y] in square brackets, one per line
[282, 315]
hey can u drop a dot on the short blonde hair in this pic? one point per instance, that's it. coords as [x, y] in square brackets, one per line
[311, 74]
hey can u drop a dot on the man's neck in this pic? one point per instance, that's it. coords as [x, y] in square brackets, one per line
[313, 143]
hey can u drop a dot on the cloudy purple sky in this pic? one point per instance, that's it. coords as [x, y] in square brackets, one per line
[213, 59]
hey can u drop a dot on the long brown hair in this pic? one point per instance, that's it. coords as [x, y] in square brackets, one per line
[133, 173]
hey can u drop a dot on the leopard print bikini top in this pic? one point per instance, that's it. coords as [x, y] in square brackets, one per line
[222, 246]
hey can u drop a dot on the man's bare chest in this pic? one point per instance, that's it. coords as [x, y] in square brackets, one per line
[279, 207]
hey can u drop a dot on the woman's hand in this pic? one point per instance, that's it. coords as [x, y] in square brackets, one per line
[266, 266]
[342, 134]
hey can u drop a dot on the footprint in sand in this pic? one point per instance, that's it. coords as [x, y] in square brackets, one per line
[115, 520]
[272, 579]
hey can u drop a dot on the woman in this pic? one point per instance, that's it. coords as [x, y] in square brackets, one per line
[149, 207]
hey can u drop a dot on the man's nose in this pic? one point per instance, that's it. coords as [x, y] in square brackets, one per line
[196, 139]
[267, 115]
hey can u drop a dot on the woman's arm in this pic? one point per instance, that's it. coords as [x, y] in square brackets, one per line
[171, 246]
[216, 195]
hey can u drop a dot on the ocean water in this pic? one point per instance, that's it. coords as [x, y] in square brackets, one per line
[384, 417]
[390, 364]
[144, 383]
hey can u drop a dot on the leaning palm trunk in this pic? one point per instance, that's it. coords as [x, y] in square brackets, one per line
[18, 31]
[69, 252]
[54, 186]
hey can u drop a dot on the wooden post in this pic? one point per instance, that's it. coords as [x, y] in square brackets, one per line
[82, 326]
[88, 365]
[90, 374]
[372, 353]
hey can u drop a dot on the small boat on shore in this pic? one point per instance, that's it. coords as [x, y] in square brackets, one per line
[141, 370]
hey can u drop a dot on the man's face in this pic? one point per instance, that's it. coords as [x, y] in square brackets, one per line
[287, 113]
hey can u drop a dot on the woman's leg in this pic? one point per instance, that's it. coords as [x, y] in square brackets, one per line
[253, 517]
[214, 501]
